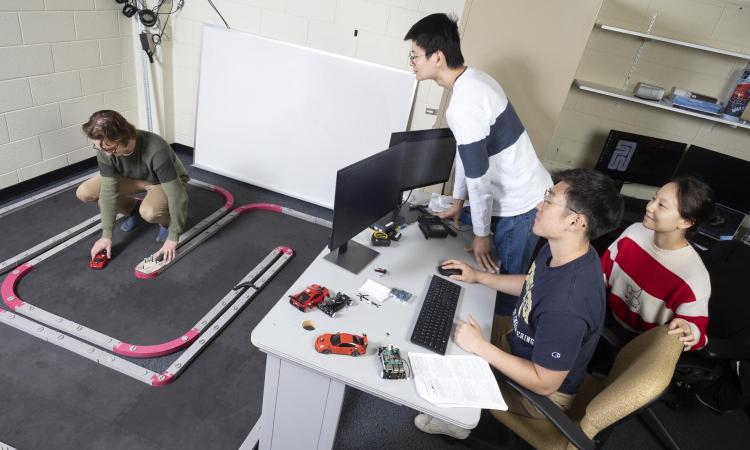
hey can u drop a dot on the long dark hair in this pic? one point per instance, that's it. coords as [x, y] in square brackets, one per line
[695, 200]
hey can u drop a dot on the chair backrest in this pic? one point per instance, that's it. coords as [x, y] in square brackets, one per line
[642, 371]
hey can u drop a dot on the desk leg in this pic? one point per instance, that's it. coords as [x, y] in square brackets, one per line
[301, 407]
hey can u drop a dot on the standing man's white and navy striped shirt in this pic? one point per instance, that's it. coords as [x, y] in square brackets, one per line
[497, 169]
[496, 166]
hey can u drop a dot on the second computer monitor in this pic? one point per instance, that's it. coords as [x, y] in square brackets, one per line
[427, 157]
[726, 175]
[634, 158]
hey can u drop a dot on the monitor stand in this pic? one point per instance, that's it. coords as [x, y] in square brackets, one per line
[352, 256]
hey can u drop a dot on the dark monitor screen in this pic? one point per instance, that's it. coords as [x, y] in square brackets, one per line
[726, 175]
[365, 192]
[427, 157]
[639, 159]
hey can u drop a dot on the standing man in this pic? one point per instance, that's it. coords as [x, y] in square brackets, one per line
[133, 161]
[560, 304]
[496, 166]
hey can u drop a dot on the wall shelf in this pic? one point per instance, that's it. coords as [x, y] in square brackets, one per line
[665, 105]
[652, 37]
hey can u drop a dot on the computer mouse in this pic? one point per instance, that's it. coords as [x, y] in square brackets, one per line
[448, 272]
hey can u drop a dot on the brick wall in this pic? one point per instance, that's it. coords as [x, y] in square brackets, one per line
[60, 60]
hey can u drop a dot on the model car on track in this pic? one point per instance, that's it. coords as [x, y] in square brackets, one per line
[341, 344]
[100, 261]
[309, 298]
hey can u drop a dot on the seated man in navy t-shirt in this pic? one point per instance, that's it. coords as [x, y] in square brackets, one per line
[559, 313]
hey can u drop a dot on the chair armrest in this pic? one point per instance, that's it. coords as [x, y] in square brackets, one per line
[555, 415]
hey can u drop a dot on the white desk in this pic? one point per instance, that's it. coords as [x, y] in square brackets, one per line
[304, 389]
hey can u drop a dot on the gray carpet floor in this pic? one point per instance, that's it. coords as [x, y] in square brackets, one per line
[52, 398]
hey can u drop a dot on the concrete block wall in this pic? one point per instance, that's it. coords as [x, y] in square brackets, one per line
[60, 60]
[587, 118]
[323, 24]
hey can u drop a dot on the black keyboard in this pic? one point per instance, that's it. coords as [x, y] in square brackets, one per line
[433, 327]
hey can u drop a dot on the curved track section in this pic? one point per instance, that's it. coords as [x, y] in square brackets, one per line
[249, 289]
[16, 304]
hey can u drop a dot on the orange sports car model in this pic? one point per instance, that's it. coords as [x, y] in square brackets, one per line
[341, 344]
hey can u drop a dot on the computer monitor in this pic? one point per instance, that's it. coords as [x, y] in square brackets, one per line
[726, 175]
[365, 192]
[427, 157]
[632, 158]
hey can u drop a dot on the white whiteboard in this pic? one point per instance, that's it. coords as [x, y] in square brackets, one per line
[286, 117]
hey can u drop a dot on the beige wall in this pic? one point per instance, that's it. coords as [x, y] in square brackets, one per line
[587, 118]
[532, 49]
[323, 24]
[60, 60]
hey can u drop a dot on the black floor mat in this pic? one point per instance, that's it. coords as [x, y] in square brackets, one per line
[146, 312]
[53, 398]
[40, 221]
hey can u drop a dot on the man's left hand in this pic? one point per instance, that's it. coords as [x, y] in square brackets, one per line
[483, 254]
[468, 335]
[167, 251]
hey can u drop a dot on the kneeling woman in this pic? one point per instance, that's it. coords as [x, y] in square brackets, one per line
[653, 275]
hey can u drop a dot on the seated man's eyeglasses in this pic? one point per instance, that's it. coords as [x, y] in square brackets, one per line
[548, 194]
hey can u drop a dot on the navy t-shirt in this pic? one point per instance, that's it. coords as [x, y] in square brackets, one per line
[559, 316]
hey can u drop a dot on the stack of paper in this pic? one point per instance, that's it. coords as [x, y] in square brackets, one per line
[456, 380]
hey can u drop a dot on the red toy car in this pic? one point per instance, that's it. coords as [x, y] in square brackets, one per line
[341, 344]
[100, 260]
[309, 298]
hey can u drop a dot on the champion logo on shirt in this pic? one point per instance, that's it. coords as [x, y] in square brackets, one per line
[556, 355]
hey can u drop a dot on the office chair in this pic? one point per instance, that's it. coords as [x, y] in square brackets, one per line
[728, 325]
[641, 372]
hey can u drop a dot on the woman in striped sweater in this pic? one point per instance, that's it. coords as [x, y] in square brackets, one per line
[653, 275]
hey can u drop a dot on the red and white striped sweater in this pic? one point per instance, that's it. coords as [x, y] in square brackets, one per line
[649, 286]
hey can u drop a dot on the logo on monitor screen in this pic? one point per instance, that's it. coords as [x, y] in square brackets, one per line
[621, 156]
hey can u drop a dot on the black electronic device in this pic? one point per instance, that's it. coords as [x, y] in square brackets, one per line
[332, 305]
[148, 18]
[434, 227]
[365, 192]
[448, 272]
[724, 224]
[726, 175]
[380, 239]
[633, 158]
[433, 327]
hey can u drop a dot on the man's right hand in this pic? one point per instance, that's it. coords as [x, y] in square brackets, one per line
[468, 273]
[102, 244]
[453, 212]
